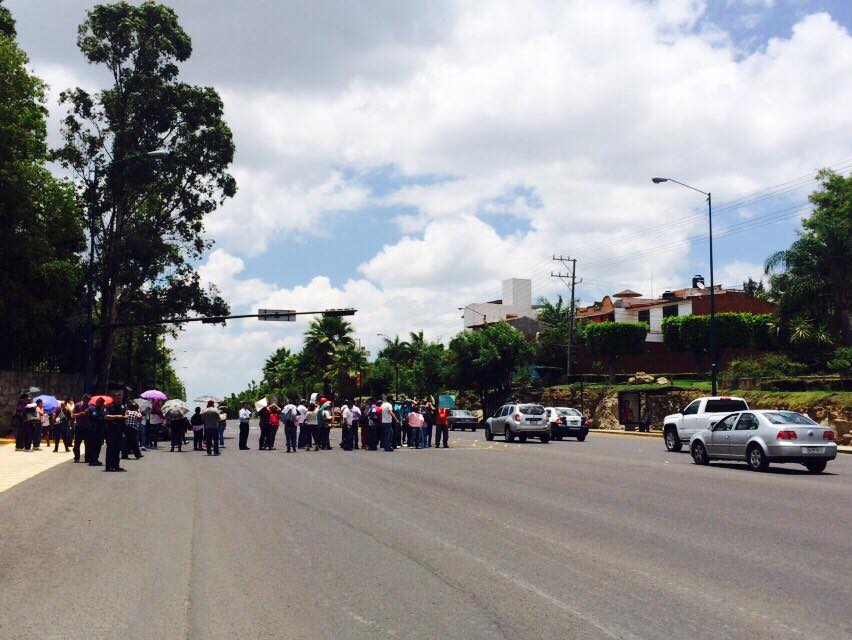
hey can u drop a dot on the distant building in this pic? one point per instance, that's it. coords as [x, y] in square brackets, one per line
[515, 307]
[630, 306]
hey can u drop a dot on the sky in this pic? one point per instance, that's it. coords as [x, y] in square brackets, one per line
[402, 158]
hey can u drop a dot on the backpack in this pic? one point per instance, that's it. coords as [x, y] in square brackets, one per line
[274, 419]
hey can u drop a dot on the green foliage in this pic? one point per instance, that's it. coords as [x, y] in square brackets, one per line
[692, 333]
[484, 360]
[40, 272]
[774, 365]
[610, 340]
[149, 215]
[812, 280]
[428, 369]
[841, 361]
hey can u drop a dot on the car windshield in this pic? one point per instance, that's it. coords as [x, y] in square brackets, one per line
[462, 414]
[568, 412]
[531, 409]
[725, 406]
[788, 417]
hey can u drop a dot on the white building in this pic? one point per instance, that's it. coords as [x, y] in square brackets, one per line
[515, 303]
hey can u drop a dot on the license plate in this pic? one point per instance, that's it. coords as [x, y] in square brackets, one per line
[813, 449]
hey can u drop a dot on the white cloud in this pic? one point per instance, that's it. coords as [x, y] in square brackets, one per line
[577, 103]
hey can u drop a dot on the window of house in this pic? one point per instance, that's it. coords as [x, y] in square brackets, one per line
[645, 316]
[670, 311]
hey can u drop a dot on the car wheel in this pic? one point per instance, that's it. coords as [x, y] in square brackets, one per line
[522, 438]
[699, 454]
[510, 437]
[581, 437]
[757, 460]
[817, 466]
[673, 443]
[488, 435]
[545, 439]
[557, 437]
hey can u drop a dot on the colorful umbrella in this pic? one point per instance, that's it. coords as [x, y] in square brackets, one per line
[50, 403]
[175, 409]
[94, 400]
[153, 394]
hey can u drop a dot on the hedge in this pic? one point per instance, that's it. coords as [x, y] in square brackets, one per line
[692, 333]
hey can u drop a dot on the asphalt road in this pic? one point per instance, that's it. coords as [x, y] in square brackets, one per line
[611, 538]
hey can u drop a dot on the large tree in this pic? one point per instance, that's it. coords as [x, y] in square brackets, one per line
[40, 272]
[324, 336]
[485, 359]
[812, 280]
[148, 214]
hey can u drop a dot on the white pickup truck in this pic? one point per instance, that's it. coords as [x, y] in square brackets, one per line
[699, 414]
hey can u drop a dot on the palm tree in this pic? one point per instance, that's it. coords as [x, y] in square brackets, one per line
[323, 337]
[347, 362]
[416, 341]
[398, 352]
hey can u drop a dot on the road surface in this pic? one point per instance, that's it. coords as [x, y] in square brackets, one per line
[611, 538]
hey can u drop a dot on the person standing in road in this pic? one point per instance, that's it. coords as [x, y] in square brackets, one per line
[428, 411]
[324, 422]
[304, 440]
[223, 422]
[177, 430]
[263, 415]
[155, 422]
[211, 428]
[197, 430]
[442, 432]
[114, 431]
[133, 422]
[39, 424]
[389, 418]
[311, 426]
[346, 428]
[245, 416]
[289, 415]
[19, 422]
[63, 425]
[97, 431]
[81, 427]
[274, 423]
[356, 424]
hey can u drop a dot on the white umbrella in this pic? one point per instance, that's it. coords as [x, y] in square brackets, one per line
[260, 404]
[144, 405]
[175, 408]
[208, 398]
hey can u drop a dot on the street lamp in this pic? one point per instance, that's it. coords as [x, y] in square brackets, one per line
[714, 365]
[90, 305]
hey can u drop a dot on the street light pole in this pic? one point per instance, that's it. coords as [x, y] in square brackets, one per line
[468, 308]
[714, 361]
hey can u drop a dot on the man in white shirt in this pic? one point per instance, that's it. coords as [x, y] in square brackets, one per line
[388, 416]
[347, 431]
[245, 416]
[289, 416]
[304, 432]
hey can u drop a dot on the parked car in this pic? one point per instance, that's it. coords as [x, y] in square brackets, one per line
[462, 419]
[699, 414]
[518, 420]
[566, 422]
[761, 437]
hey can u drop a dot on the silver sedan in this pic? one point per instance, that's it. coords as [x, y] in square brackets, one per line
[761, 437]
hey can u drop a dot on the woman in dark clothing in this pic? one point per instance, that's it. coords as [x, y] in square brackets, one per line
[177, 429]
[197, 430]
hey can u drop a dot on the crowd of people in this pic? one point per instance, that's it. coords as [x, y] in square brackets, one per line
[378, 422]
[126, 428]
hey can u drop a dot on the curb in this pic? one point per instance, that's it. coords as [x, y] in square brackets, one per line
[635, 434]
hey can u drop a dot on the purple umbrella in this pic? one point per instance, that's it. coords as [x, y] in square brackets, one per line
[153, 394]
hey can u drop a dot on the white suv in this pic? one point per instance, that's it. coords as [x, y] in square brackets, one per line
[519, 420]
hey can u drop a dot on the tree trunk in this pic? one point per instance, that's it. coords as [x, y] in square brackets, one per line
[107, 318]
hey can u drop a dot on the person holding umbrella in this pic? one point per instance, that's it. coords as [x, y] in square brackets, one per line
[133, 421]
[63, 424]
[23, 439]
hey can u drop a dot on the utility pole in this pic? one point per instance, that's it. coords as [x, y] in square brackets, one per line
[564, 277]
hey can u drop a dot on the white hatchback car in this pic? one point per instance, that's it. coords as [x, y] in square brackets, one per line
[761, 437]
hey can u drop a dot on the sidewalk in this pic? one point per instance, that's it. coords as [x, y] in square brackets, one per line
[17, 466]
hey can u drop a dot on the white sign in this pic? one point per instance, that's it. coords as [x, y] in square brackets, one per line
[279, 315]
